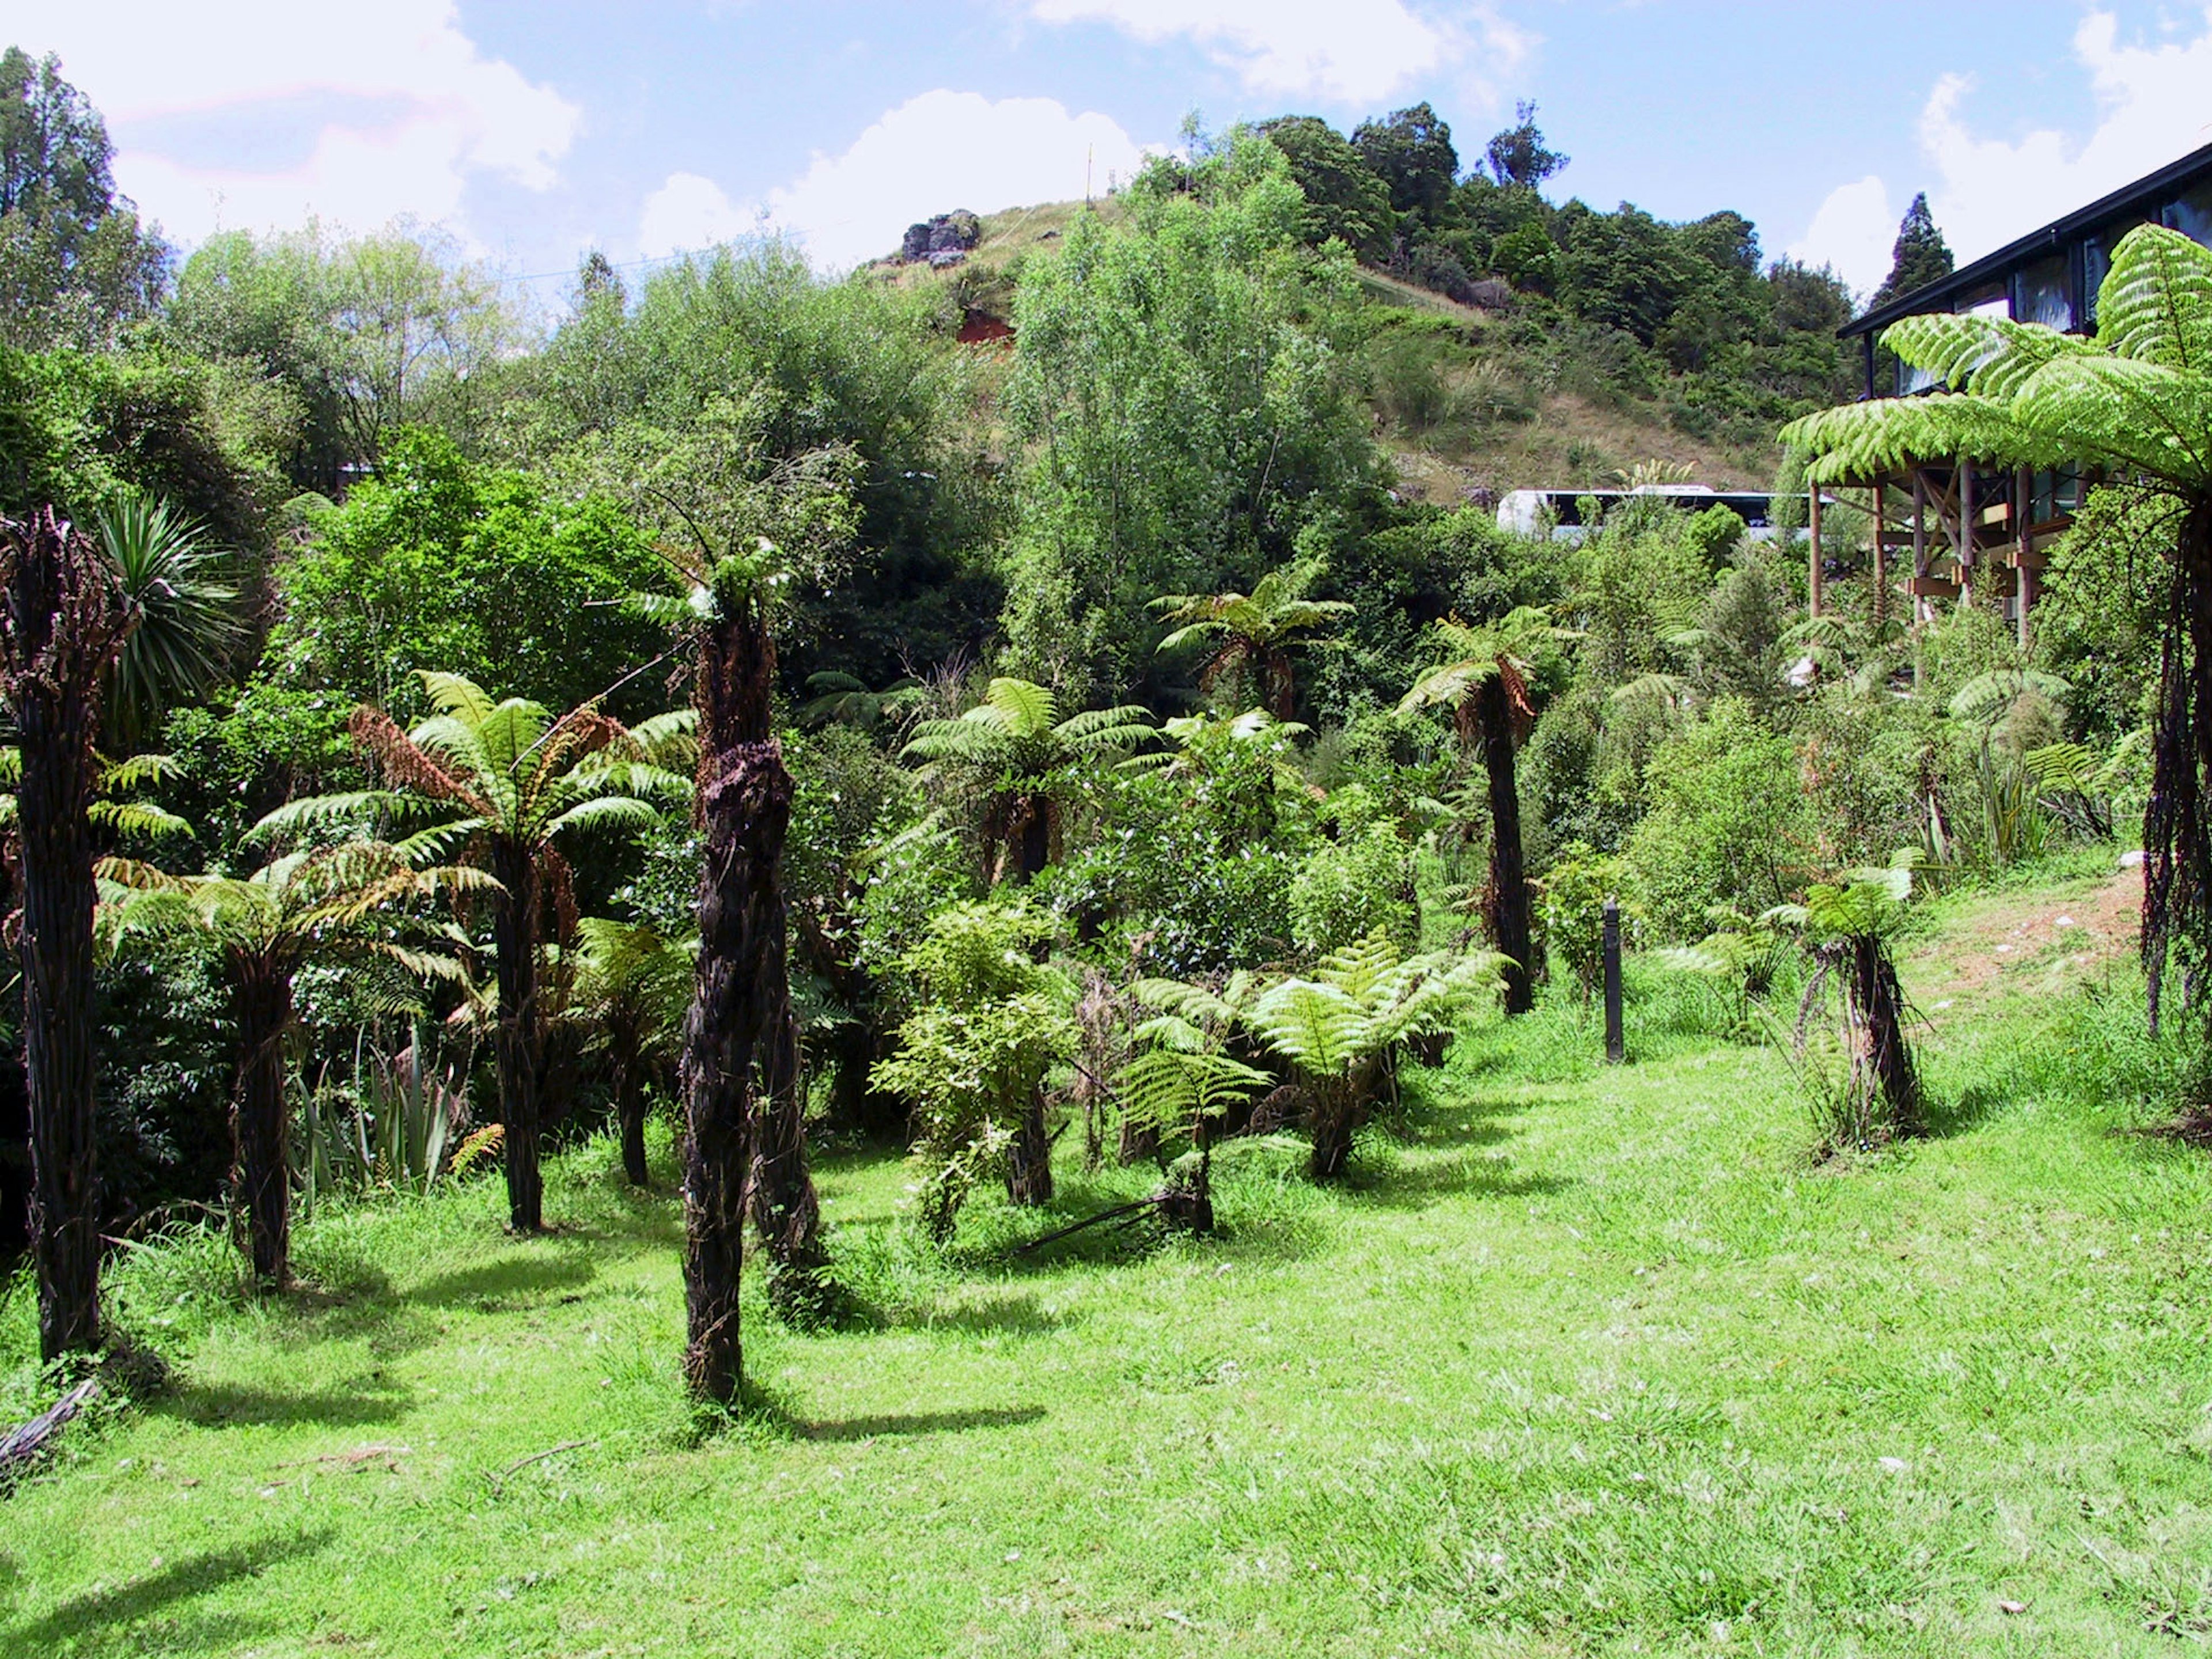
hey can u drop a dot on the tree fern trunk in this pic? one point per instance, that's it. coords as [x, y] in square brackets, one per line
[517, 1047]
[1509, 926]
[64, 624]
[1879, 1002]
[1332, 1127]
[745, 808]
[2176, 832]
[629, 1116]
[1029, 1161]
[784, 1209]
[261, 1177]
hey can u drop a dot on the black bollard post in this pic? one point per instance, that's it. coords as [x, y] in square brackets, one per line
[1616, 1047]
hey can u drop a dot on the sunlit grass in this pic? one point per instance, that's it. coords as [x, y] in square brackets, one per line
[1584, 1361]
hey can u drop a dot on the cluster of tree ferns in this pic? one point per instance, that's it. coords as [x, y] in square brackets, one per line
[740, 701]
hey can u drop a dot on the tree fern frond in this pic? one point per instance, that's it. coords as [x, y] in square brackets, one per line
[2155, 303]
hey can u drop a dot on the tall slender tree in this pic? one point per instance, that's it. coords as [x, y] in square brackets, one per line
[737, 1038]
[1485, 683]
[506, 783]
[64, 623]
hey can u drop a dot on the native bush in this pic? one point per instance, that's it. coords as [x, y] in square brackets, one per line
[1728, 824]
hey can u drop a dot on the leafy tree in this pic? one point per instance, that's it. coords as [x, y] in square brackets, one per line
[1412, 153]
[331, 906]
[1255, 632]
[479, 571]
[62, 623]
[508, 784]
[2138, 400]
[75, 264]
[1013, 745]
[1344, 197]
[1919, 256]
[1485, 681]
[1519, 156]
[632, 984]
[189, 621]
[1182, 408]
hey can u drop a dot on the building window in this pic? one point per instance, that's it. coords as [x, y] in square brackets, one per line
[1990, 300]
[2191, 214]
[2043, 293]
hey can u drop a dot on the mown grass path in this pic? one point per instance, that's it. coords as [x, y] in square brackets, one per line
[1585, 1363]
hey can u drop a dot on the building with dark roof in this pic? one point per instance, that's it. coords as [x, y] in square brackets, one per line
[1977, 531]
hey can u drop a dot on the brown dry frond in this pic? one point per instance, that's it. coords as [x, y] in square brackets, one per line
[380, 737]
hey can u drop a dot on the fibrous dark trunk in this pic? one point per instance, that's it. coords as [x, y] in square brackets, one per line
[1029, 1161]
[1332, 1127]
[1509, 928]
[261, 1182]
[786, 1211]
[741, 1004]
[1877, 1006]
[517, 1044]
[65, 621]
[2177, 831]
[628, 1070]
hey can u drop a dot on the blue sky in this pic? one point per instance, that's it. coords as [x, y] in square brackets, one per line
[533, 131]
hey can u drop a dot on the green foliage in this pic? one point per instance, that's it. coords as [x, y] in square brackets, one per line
[480, 571]
[75, 266]
[1358, 884]
[1728, 823]
[1573, 892]
[1179, 396]
[1919, 256]
[973, 1056]
[189, 621]
[1344, 198]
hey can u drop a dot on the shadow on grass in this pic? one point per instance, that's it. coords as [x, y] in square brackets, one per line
[1462, 1175]
[512, 1282]
[876, 1428]
[113, 1621]
[359, 1400]
[1005, 1315]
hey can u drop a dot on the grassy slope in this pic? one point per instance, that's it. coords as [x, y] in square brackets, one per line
[1569, 440]
[1589, 1362]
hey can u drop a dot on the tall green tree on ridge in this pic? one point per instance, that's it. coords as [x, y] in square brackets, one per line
[1919, 256]
[62, 624]
[1255, 630]
[334, 904]
[503, 784]
[1484, 681]
[2135, 400]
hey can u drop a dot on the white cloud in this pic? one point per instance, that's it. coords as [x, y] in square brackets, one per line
[942, 151]
[1348, 52]
[689, 212]
[2154, 102]
[365, 115]
[1852, 233]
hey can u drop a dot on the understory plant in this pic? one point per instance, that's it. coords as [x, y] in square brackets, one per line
[1848, 926]
[973, 1057]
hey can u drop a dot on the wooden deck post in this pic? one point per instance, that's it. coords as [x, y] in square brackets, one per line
[1813, 558]
[1881, 559]
[2023, 578]
[1965, 548]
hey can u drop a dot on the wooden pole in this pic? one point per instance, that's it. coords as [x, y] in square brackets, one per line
[1966, 533]
[1919, 563]
[1616, 1046]
[2023, 579]
[1813, 558]
[1881, 559]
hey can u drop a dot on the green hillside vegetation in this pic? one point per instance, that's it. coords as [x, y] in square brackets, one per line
[720, 972]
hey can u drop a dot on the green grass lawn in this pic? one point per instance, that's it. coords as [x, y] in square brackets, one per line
[1585, 1362]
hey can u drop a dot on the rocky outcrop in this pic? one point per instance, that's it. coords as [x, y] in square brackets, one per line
[943, 241]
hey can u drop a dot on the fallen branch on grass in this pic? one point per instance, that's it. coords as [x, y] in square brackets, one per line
[500, 1479]
[19, 1447]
